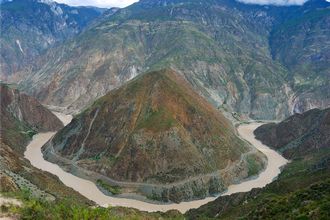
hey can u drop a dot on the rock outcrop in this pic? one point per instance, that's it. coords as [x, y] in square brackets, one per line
[30, 27]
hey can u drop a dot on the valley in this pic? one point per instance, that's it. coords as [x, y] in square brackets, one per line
[88, 189]
[156, 137]
[165, 110]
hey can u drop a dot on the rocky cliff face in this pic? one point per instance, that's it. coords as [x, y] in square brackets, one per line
[299, 135]
[302, 44]
[228, 51]
[158, 133]
[29, 27]
[221, 51]
[23, 116]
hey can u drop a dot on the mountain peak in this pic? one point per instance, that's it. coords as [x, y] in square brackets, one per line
[155, 130]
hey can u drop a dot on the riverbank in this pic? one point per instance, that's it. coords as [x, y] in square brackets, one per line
[89, 189]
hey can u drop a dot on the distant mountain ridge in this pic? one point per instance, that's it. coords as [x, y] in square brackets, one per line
[30, 27]
[302, 44]
[228, 51]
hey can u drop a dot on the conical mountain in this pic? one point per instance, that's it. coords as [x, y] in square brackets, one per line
[156, 132]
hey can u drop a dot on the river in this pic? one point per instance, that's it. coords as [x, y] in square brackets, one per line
[89, 190]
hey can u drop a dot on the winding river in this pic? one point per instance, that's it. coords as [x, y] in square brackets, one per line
[89, 190]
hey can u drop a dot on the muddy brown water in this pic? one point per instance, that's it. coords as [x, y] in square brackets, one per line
[89, 189]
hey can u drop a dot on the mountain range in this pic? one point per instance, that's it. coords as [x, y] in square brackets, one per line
[30, 27]
[239, 57]
[22, 117]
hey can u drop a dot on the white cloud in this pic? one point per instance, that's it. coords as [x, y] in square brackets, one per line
[98, 3]
[124, 3]
[274, 2]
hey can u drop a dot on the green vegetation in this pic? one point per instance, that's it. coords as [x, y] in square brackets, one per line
[96, 157]
[31, 133]
[310, 203]
[39, 209]
[155, 196]
[33, 209]
[157, 120]
[302, 190]
[115, 190]
[253, 166]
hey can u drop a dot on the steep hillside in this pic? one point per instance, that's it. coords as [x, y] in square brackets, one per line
[158, 133]
[302, 44]
[220, 47]
[21, 117]
[301, 190]
[29, 27]
[299, 135]
[228, 51]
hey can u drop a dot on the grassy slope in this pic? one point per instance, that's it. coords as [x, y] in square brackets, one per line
[302, 190]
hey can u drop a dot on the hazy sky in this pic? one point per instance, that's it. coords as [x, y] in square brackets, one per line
[98, 3]
[275, 2]
[124, 3]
